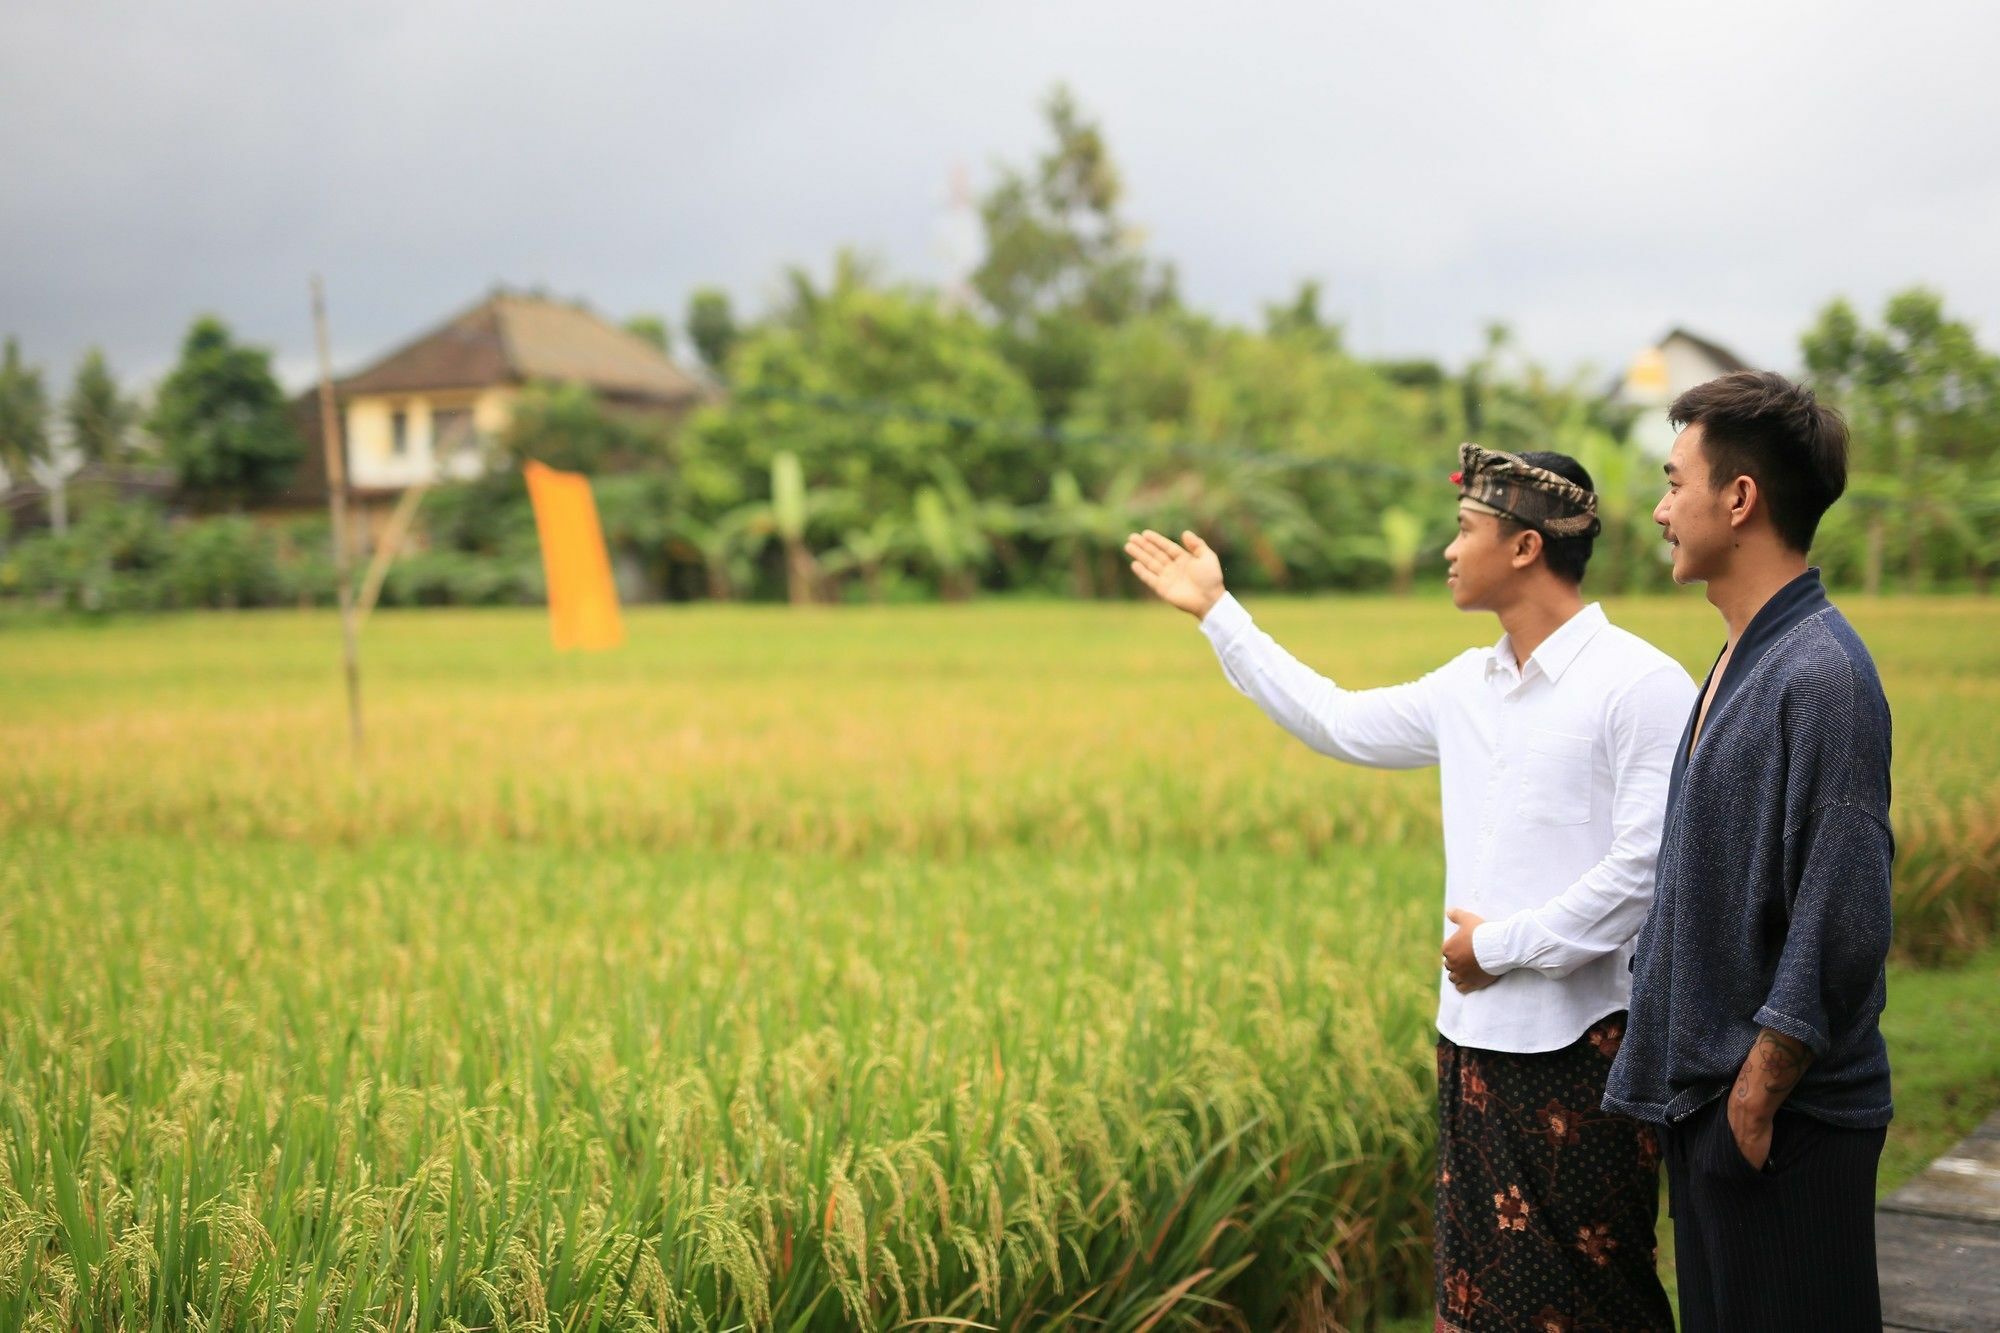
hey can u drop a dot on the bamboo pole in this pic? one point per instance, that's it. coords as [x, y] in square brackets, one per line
[387, 547]
[336, 499]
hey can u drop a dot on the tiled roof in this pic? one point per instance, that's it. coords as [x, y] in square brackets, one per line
[509, 339]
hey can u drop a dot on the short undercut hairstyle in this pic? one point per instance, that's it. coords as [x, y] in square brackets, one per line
[1762, 426]
[1565, 556]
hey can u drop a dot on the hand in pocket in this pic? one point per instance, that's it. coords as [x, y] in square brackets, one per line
[1751, 1133]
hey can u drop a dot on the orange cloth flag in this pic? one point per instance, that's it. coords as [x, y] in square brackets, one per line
[583, 604]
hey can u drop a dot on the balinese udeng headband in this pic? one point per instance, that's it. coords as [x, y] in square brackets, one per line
[1496, 482]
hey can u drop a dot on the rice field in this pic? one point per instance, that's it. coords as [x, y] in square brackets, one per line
[978, 966]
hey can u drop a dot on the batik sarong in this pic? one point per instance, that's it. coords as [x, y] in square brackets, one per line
[1546, 1203]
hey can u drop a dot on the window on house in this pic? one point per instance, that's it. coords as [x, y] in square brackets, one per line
[399, 433]
[451, 432]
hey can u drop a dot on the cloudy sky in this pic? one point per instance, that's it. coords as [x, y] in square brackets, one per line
[1593, 173]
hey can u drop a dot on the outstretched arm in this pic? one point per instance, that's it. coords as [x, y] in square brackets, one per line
[1386, 728]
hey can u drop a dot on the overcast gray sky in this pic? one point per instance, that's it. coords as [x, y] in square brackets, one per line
[1593, 173]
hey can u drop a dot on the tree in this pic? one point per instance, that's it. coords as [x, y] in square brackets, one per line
[1259, 508]
[100, 418]
[1627, 548]
[711, 326]
[24, 415]
[1060, 260]
[1300, 318]
[1054, 237]
[567, 427]
[653, 329]
[221, 419]
[1085, 533]
[789, 504]
[721, 546]
[868, 387]
[1402, 545]
[951, 541]
[1923, 404]
[867, 548]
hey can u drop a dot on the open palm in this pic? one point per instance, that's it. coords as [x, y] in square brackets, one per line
[1185, 574]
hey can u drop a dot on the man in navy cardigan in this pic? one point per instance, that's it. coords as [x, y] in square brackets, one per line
[1757, 990]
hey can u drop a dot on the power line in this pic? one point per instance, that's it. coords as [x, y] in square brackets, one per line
[1182, 450]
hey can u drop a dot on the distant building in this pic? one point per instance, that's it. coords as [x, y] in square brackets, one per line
[1662, 373]
[430, 410]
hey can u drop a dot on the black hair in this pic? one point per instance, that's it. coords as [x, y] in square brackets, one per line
[1762, 426]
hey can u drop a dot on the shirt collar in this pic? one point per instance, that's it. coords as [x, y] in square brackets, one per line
[1557, 651]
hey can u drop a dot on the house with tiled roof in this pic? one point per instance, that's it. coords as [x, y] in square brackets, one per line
[430, 410]
[1663, 372]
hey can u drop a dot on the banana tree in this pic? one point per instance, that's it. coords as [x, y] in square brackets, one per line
[1081, 530]
[1402, 543]
[867, 550]
[952, 541]
[997, 521]
[718, 545]
[1252, 503]
[786, 518]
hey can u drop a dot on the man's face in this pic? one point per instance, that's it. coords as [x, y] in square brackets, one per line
[1693, 515]
[1479, 561]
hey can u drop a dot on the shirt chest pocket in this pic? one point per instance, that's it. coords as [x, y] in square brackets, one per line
[1556, 785]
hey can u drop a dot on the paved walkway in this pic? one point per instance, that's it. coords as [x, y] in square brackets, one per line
[1937, 1240]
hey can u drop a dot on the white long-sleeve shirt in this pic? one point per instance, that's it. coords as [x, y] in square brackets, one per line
[1554, 780]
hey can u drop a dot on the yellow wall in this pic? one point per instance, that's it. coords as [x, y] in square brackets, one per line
[372, 461]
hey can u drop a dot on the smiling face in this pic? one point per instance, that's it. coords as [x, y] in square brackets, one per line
[1695, 515]
[1480, 561]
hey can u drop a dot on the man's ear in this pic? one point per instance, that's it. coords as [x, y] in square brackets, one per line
[1744, 500]
[1527, 545]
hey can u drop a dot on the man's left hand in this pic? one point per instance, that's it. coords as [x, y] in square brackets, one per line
[1751, 1128]
[1460, 963]
[1773, 1068]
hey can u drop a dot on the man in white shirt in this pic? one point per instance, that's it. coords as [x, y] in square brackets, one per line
[1554, 749]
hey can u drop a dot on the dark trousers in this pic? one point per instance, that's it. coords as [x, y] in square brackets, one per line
[1789, 1247]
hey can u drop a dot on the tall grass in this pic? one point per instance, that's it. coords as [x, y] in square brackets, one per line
[788, 970]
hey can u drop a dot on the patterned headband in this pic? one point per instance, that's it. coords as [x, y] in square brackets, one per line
[1503, 483]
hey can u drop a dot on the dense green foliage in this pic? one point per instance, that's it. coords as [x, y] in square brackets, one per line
[24, 411]
[99, 416]
[221, 420]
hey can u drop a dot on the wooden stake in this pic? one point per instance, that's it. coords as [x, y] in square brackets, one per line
[336, 499]
[387, 548]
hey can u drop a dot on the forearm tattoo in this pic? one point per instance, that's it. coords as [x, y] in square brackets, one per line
[1773, 1068]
